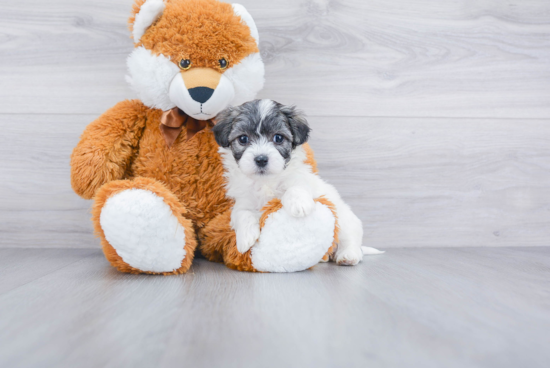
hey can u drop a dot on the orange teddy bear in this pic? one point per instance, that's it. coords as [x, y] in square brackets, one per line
[152, 165]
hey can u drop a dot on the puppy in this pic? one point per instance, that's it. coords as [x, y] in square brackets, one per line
[261, 147]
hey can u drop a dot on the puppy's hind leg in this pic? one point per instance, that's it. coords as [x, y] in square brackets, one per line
[349, 252]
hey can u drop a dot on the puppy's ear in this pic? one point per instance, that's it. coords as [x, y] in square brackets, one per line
[224, 125]
[298, 124]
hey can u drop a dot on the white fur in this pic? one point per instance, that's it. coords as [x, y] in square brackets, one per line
[265, 106]
[263, 147]
[296, 186]
[150, 77]
[221, 98]
[247, 229]
[371, 251]
[241, 11]
[247, 78]
[289, 244]
[297, 201]
[143, 231]
[159, 84]
[149, 12]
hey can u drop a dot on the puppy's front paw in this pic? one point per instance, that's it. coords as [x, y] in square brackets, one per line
[247, 237]
[298, 202]
[349, 256]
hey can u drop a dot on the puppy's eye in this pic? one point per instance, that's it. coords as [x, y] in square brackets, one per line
[243, 139]
[185, 64]
[223, 63]
[277, 138]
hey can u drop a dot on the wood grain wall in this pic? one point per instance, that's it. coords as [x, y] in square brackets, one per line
[431, 117]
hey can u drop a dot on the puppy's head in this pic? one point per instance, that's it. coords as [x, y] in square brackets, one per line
[261, 135]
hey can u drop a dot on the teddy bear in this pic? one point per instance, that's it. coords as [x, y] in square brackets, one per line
[152, 167]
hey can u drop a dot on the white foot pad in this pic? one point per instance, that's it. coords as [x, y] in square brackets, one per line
[143, 231]
[290, 244]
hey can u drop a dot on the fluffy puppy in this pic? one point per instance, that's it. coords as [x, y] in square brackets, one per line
[261, 147]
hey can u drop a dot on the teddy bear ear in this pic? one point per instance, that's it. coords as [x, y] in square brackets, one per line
[145, 14]
[241, 11]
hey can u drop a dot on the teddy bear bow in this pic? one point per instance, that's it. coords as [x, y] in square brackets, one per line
[173, 121]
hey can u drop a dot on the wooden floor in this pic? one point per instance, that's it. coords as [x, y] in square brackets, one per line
[476, 307]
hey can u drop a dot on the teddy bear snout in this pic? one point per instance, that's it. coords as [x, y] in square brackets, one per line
[201, 94]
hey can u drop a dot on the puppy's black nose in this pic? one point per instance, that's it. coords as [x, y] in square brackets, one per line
[201, 94]
[261, 161]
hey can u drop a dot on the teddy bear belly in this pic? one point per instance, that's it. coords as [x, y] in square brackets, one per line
[191, 169]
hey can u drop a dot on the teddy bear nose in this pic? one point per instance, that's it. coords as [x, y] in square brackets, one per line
[261, 161]
[201, 94]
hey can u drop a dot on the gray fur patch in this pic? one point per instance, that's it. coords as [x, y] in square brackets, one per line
[261, 120]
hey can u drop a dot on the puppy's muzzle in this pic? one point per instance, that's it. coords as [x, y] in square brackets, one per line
[261, 161]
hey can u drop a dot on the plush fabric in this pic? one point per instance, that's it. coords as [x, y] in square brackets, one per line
[156, 204]
[148, 14]
[151, 250]
[143, 231]
[301, 245]
[173, 121]
[149, 75]
[201, 30]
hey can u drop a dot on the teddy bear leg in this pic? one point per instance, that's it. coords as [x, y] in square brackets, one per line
[142, 227]
[286, 243]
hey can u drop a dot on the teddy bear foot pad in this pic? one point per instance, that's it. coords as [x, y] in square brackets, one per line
[143, 230]
[290, 244]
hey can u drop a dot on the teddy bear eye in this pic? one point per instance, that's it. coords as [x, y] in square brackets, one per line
[185, 64]
[277, 138]
[243, 139]
[223, 63]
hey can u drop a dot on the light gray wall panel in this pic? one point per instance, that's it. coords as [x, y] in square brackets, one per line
[441, 182]
[431, 118]
[413, 182]
[334, 58]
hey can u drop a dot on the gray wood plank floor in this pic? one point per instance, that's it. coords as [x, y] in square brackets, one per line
[476, 307]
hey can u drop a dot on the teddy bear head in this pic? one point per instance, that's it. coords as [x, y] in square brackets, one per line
[198, 55]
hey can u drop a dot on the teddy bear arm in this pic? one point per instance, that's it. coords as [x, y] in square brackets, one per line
[106, 147]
